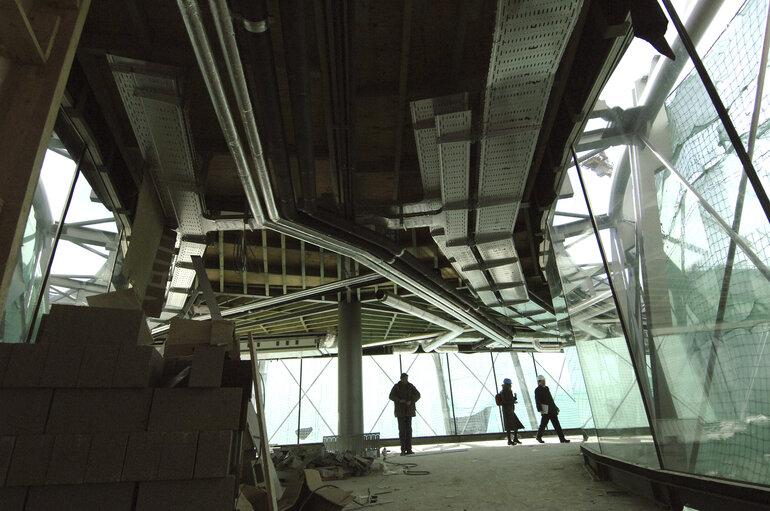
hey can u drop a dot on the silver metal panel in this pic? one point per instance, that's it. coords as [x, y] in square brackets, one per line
[153, 99]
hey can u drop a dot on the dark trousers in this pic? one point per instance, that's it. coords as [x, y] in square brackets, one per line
[544, 422]
[405, 433]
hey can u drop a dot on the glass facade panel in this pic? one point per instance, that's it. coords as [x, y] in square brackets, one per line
[318, 414]
[47, 206]
[688, 247]
[422, 374]
[473, 389]
[281, 383]
[380, 373]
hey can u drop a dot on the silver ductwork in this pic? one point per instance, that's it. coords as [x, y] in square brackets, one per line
[261, 200]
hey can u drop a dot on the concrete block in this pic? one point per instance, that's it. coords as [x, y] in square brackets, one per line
[98, 366]
[6, 451]
[138, 366]
[186, 409]
[177, 457]
[68, 459]
[99, 411]
[142, 456]
[82, 497]
[106, 458]
[24, 411]
[194, 495]
[25, 367]
[13, 499]
[213, 454]
[29, 461]
[207, 364]
[69, 324]
[62, 366]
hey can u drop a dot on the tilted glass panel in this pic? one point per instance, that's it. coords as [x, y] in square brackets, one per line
[47, 206]
[618, 411]
[689, 248]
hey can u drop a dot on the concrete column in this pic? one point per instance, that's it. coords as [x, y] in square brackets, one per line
[350, 404]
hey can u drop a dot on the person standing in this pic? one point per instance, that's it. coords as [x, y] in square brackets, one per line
[510, 420]
[404, 395]
[548, 410]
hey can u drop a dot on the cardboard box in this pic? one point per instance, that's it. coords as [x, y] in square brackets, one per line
[142, 456]
[307, 493]
[137, 367]
[13, 499]
[177, 456]
[213, 454]
[6, 451]
[82, 497]
[29, 461]
[106, 458]
[184, 334]
[68, 459]
[185, 409]
[98, 366]
[99, 411]
[194, 495]
[69, 324]
[25, 366]
[24, 411]
[62, 366]
[207, 364]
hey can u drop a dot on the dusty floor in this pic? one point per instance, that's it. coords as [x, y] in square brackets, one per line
[489, 476]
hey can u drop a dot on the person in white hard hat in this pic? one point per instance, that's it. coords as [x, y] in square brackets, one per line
[548, 410]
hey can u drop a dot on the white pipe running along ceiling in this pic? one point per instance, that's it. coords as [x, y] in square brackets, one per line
[529, 41]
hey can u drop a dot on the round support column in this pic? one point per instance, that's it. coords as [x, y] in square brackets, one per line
[350, 405]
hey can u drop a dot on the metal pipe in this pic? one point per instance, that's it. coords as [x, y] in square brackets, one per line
[367, 256]
[439, 342]
[191, 16]
[417, 312]
[298, 74]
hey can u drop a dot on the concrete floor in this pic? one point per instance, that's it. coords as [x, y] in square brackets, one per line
[488, 476]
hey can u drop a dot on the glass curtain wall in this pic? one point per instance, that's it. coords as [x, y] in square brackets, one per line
[457, 393]
[673, 343]
[70, 248]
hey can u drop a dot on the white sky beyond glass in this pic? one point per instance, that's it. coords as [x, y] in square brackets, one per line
[56, 176]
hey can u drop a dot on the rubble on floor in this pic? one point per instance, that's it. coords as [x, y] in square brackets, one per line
[289, 462]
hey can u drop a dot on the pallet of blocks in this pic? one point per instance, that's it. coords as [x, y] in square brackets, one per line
[92, 417]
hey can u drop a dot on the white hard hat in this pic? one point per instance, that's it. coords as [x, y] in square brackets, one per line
[540, 377]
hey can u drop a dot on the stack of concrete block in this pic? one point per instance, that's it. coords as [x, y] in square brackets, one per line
[85, 425]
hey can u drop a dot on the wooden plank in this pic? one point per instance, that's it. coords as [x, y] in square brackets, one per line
[17, 35]
[30, 101]
[264, 448]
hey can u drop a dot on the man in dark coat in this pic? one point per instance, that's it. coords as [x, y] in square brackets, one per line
[510, 420]
[548, 410]
[404, 395]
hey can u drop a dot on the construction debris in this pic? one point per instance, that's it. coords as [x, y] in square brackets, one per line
[330, 465]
